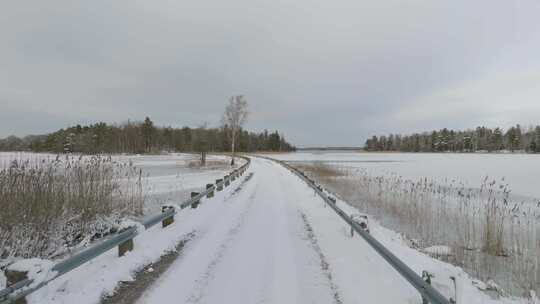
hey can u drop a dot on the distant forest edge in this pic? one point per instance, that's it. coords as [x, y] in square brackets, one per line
[481, 139]
[144, 137]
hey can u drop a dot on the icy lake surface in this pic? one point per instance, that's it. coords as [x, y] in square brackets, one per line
[171, 177]
[520, 171]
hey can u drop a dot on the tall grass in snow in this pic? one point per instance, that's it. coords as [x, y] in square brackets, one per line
[48, 206]
[492, 236]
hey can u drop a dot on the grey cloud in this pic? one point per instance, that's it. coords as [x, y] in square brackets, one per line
[323, 72]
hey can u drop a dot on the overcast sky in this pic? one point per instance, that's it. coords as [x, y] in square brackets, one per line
[322, 72]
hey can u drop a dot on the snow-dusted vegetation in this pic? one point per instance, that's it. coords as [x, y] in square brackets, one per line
[50, 205]
[484, 227]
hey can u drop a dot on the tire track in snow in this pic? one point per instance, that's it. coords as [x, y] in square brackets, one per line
[241, 186]
[325, 267]
[201, 284]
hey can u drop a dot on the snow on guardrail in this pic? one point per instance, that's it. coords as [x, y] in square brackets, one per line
[429, 294]
[27, 276]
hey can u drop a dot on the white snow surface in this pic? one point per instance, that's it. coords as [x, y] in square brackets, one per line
[170, 179]
[254, 246]
[38, 270]
[520, 171]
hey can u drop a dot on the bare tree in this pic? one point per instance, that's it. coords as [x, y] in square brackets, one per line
[234, 117]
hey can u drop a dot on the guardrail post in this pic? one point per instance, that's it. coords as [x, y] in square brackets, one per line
[12, 277]
[195, 204]
[426, 276]
[219, 184]
[167, 221]
[211, 193]
[453, 300]
[333, 201]
[124, 247]
[227, 181]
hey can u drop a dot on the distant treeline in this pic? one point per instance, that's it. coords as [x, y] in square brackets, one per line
[481, 139]
[143, 137]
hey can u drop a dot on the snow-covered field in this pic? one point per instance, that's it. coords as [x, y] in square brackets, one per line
[172, 177]
[7, 157]
[521, 171]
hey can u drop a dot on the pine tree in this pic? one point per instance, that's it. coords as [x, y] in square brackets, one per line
[497, 140]
[533, 146]
[537, 138]
[148, 133]
[467, 143]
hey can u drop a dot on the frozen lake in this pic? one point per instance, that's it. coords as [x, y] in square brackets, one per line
[520, 171]
[446, 209]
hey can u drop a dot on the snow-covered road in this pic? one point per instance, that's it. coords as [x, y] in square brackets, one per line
[276, 242]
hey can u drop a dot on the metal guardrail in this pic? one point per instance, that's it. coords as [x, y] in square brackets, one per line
[427, 291]
[23, 288]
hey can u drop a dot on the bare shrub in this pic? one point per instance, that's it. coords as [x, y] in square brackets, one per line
[50, 206]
